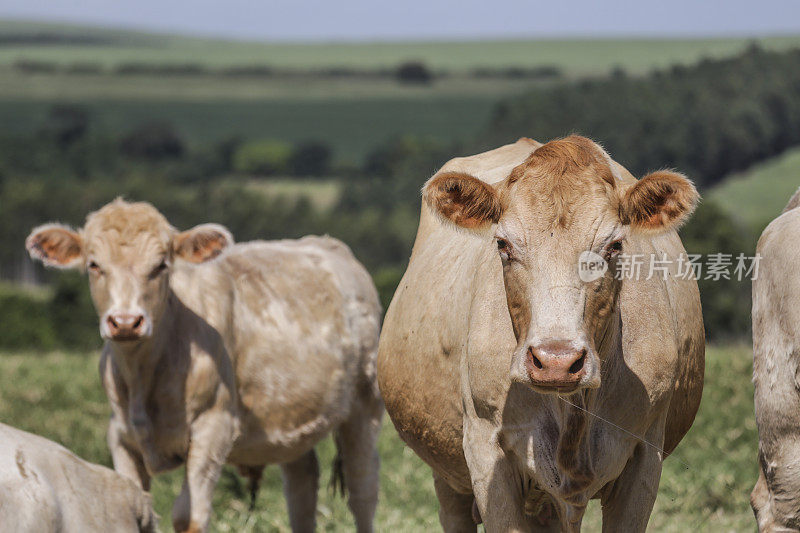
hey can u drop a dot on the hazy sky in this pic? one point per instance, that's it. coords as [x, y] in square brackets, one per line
[410, 19]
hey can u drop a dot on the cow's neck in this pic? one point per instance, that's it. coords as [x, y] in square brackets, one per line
[138, 362]
[140, 366]
[574, 448]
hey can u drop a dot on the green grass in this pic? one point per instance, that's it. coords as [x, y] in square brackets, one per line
[757, 196]
[60, 397]
[705, 485]
[575, 56]
[706, 482]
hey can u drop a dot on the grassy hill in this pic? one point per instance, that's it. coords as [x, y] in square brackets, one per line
[576, 56]
[705, 485]
[757, 196]
[351, 114]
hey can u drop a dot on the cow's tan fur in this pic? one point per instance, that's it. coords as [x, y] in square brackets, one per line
[454, 338]
[45, 487]
[793, 202]
[776, 373]
[255, 354]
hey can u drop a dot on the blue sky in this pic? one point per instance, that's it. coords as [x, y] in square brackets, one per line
[422, 19]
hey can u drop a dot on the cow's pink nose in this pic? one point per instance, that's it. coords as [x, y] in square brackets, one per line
[556, 364]
[125, 327]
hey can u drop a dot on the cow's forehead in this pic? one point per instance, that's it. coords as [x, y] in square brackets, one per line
[124, 229]
[563, 183]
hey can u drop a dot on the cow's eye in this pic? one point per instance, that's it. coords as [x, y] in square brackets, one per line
[504, 248]
[614, 248]
[94, 268]
[162, 266]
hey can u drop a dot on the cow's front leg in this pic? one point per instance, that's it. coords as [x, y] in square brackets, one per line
[498, 486]
[456, 514]
[498, 494]
[127, 461]
[212, 436]
[627, 506]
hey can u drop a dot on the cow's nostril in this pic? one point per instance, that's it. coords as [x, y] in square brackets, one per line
[534, 359]
[138, 322]
[112, 322]
[577, 366]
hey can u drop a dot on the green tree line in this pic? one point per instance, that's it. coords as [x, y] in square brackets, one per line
[707, 120]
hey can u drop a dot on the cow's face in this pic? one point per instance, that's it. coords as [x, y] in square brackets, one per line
[565, 200]
[128, 250]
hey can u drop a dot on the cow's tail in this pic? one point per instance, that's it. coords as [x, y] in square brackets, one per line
[337, 470]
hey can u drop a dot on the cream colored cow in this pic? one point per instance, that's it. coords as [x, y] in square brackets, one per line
[776, 373]
[247, 354]
[45, 488]
[527, 389]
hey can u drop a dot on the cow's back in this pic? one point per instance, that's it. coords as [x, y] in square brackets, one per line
[45, 487]
[311, 288]
[300, 320]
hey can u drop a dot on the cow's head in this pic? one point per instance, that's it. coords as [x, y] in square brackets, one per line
[566, 199]
[128, 250]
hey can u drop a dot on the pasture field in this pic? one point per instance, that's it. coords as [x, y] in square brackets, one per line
[350, 114]
[705, 485]
[109, 47]
[16, 85]
[755, 197]
[350, 127]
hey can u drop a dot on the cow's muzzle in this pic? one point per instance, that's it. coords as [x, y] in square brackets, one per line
[558, 366]
[125, 326]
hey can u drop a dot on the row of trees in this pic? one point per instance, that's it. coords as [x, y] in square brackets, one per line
[67, 128]
[407, 72]
[708, 120]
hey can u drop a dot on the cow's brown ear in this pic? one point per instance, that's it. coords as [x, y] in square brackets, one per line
[56, 246]
[658, 202]
[463, 199]
[201, 243]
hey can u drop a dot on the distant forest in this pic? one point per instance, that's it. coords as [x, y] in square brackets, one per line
[707, 120]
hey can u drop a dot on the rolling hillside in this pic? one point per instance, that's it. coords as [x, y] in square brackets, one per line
[350, 114]
[576, 57]
[759, 195]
